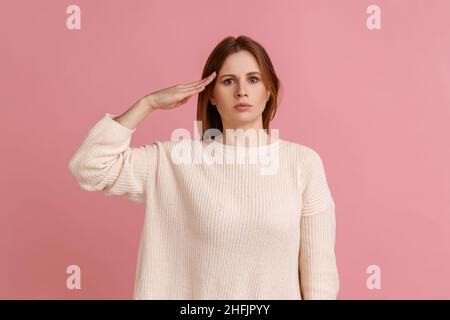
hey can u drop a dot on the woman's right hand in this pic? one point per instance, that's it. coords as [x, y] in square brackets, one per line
[177, 95]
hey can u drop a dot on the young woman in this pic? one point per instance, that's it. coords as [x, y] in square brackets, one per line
[220, 229]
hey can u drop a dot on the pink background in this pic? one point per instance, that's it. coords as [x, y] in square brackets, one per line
[373, 103]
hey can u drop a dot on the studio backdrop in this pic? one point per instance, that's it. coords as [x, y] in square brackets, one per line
[364, 83]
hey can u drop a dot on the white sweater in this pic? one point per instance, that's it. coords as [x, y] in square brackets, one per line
[219, 230]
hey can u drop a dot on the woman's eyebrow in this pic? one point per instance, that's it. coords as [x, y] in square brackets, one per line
[233, 75]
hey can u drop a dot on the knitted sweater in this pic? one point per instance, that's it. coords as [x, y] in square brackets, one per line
[218, 230]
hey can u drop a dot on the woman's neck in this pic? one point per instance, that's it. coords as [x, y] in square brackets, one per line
[244, 138]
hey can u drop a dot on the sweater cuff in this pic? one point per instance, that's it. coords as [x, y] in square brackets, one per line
[108, 131]
[108, 117]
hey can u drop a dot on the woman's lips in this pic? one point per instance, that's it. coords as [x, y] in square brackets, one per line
[242, 107]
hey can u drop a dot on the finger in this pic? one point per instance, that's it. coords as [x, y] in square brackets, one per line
[196, 87]
[197, 84]
[207, 79]
[188, 94]
[200, 82]
[194, 90]
[185, 100]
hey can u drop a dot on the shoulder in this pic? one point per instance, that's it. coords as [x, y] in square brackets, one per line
[307, 160]
[305, 154]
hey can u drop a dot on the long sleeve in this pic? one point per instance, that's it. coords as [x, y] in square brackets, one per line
[319, 279]
[105, 161]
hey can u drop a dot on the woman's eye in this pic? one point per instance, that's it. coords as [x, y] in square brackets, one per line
[226, 81]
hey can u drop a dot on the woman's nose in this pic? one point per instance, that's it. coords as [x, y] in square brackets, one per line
[241, 92]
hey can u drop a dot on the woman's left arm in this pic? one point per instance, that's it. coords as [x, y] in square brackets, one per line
[319, 278]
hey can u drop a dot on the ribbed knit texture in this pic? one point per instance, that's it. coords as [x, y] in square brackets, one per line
[219, 231]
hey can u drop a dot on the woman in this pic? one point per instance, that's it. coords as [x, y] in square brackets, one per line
[216, 230]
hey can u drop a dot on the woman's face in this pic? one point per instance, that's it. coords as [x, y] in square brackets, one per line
[236, 83]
